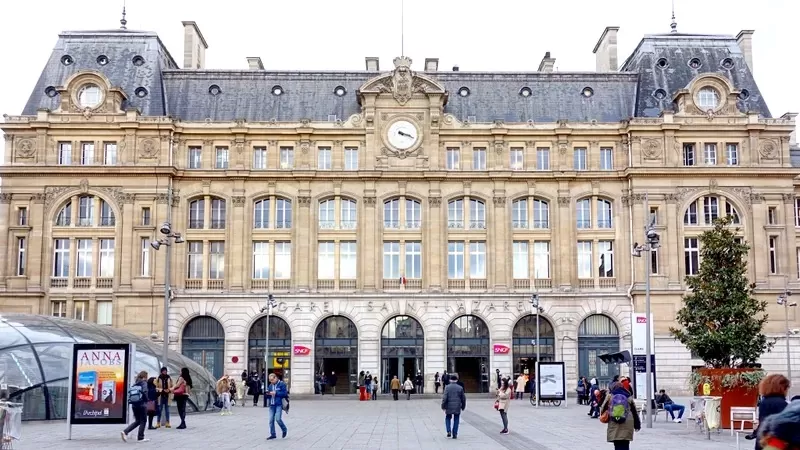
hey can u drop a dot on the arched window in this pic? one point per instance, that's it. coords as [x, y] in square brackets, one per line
[283, 213]
[64, 217]
[85, 211]
[519, 214]
[413, 214]
[402, 212]
[197, 213]
[261, 214]
[391, 213]
[107, 218]
[88, 207]
[348, 217]
[583, 214]
[604, 214]
[218, 211]
[541, 214]
[327, 214]
[455, 214]
[705, 210]
[477, 214]
[604, 210]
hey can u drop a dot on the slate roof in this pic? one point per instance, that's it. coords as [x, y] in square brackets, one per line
[678, 49]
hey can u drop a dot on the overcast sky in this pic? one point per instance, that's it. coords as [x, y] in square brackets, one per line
[333, 35]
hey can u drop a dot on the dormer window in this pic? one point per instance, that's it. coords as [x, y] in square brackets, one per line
[90, 96]
[708, 99]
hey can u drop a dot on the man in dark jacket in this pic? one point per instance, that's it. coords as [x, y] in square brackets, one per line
[418, 382]
[332, 382]
[663, 399]
[453, 402]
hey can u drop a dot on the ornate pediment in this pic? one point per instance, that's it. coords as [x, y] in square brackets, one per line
[402, 83]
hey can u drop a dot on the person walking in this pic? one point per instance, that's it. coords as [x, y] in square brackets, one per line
[152, 395]
[781, 431]
[224, 392]
[773, 390]
[502, 402]
[619, 410]
[164, 391]
[453, 402]
[418, 382]
[254, 388]
[408, 386]
[275, 393]
[521, 381]
[183, 387]
[375, 388]
[323, 381]
[395, 387]
[137, 398]
[437, 382]
[332, 382]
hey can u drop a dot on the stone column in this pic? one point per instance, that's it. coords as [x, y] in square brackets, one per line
[127, 265]
[500, 245]
[36, 249]
[239, 228]
[434, 245]
[369, 261]
[303, 244]
[565, 261]
[788, 238]
[11, 253]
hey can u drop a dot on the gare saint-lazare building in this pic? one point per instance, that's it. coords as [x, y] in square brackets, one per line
[401, 215]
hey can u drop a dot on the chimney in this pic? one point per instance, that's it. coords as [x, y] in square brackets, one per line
[455, 68]
[431, 64]
[606, 50]
[547, 63]
[745, 41]
[194, 46]
[254, 63]
[373, 64]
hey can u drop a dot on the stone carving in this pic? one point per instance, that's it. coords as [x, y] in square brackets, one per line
[498, 147]
[788, 198]
[651, 149]
[238, 200]
[744, 193]
[5, 197]
[114, 193]
[305, 145]
[435, 201]
[369, 201]
[38, 198]
[563, 201]
[25, 148]
[712, 185]
[51, 193]
[403, 83]
[161, 199]
[768, 149]
[499, 201]
[8, 137]
[562, 148]
[402, 154]
[84, 185]
[128, 198]
[680, 194]
[756, 198]
[304, 200]
[149, 149]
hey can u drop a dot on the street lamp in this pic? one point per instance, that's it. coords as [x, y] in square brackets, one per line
[170, 236]
[538, 309]
[652, 243]
[269, 304]
[783, 300]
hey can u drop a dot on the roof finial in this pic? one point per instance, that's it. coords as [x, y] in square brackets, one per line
[123, 22]
[674, 24]
[402, 28]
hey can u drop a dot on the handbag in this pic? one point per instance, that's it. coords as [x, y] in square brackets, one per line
[604, 417]
[497, 404]
[180, 390]
[151, 406]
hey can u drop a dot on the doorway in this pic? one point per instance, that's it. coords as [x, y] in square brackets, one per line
[597, 335]
[203, 341]
[472, 371]
[336, 350]
[468, 352]
[339, 366]
[280, 348]
[524, 345]
[402, 347]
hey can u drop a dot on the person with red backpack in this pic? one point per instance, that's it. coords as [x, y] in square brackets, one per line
[619, 411]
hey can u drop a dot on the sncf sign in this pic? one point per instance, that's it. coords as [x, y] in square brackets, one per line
[641, 320]
[501, 349]
[301, 350]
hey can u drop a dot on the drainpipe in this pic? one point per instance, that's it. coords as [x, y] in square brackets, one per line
[630, 222]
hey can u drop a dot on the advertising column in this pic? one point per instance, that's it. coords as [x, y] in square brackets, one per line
[639, 354]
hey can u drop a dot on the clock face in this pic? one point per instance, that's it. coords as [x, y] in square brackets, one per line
[402, 134]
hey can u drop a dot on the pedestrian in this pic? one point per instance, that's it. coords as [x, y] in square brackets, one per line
[362, 390]
[395, 387]
[782, 430]
[152, 395]
[137, 398]
[254, 388]
[183, 387]
[437, 383]
[368, 385]
[594, 405]
[773, 390]
[521, 381]
[419, 381]
[241, 388]
[332, 382]
[224, 392]
[164, 388]
[232, 382]
[408, 386]
[453, 402]
[375, 388]
[619, 410]
[275, 393]
[502, 403]
[323, 381]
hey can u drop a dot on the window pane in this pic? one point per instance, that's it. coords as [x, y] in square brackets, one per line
[347, 261]
[413, 260]
[455, 260]
[477, 260]
[541, 259]
[326, 261]
[520, 261]
[391, 260]
[261, 260]
[283, 260]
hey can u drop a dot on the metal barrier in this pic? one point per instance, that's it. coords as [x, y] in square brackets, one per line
[10, 424]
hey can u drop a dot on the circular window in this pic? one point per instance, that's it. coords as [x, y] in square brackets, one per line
[138, 60]
[90, 95]
[277, 90]
[660, 94]
[708, 98]
[525, 91]
[587, 92]
[214, 90]
[340, 91]
[50, 91]
[67, 60]
[727, 63]
[463, 91]
[140, 92]
[695, 63]
[662, 63]
[744, 95]
[102, 60]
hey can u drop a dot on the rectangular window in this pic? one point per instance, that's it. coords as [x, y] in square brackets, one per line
[218, 214]
[144, 259]
[80, 309]
[606, 159]
[146, 216]
[259, 158]
[654, 261]
[326, 261]
[797, 251]
[64, 153]
[391, 260]
[773, 255]
[520, 260]
[22, 216]
[58, 308]
[691, 255]
[585, 259]
[21, 244]
[797, 212]
[413, 268]
[541, 259]
[579, 159]
[543, 158]
[222, 158]
[654, 215]
[195, 158]
[605, 267]
[732, 154]
[772, 215]
[216, 266]
[86, 211]
[350, 158]
[261, 260]
[453, 159]
[106, 258]
[195, 263]
[83, 266]
[287, 158]
[283, 260]
[479, 159]
[110, 153]
[477, 215]
[324, 158]
[517, 161]
[710, 209]
[710, 155]
[477, 260]
[455, 260]
[688, 155]
[348, 262]
[413, 214]
[105, 314]
[87, 153]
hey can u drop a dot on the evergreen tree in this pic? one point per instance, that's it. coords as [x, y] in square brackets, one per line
[721, 321]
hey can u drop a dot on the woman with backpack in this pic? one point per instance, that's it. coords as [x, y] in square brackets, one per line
[137, 398]
[619, 411]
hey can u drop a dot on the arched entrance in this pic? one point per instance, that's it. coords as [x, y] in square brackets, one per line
[523, 344]
[280, 347]
[336, 350]
[468, 352]
[597, 335]
[402, 349]
[203, 341]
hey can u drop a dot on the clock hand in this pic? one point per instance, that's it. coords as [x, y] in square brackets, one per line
[401, 133]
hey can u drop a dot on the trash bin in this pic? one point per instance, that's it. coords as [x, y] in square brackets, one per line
[711, 412]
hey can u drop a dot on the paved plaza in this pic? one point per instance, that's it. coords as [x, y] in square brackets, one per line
[345, 423]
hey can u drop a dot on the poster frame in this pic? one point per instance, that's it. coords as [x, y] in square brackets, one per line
[563, 396]
[129, 349]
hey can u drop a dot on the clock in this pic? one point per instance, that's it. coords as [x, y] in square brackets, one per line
[402, 134]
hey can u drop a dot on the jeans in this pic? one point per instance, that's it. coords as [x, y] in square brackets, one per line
[180, 400]
[162, 407]
[455, 418]
[255, 399]
[436, 387]
[395, 392]
[504, 418]
[672, 407]
[226, 401]
[275, 413]
[622, 445]
[408, 394]
[140, 416]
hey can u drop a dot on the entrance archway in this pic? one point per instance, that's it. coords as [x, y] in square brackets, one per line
[468, 352]
[523, 344]
[336, 350]
[597, 335]
[402, 350]
[280, 347]
[203, 340]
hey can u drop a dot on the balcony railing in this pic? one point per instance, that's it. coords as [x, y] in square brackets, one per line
[519, 224]
[395, 284]
[283, 224]
[477, 283]
[348, 224]
[105, 283]
[326, 285]
[541, 224]
[603, 223]
[82, 283]
[217, 224]
[259, 283]
[477, 224]
[522, 283]
[413, 224]
[608, 283]
[85, 222]
[261, 224]
[543, 283]
[63, 221]
[391, 224]
[455, 224]
[414, 283]
[108, 221]
[282, 285]
[347, 285]
[196, 224]
[327, 224]
[583, 224]
[216, 285]
[456, 284]
[59, 282]
[391, 284]
[586, 283]
[193, 284]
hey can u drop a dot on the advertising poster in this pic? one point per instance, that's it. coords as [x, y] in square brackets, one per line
[100, 390]
[552, 381]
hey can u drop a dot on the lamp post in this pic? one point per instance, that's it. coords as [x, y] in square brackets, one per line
[269, 304]
[535, 306]
[170, 236]
[652, 242]
[783, 300]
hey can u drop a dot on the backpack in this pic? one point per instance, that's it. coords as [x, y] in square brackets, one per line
[135, 394]
[619, 408]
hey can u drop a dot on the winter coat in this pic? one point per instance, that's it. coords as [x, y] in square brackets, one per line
[281, 392]
[223, 386]
[504, 399]
[770, 405]
[408, 386]
[332, 380]
[395, 384]
[621, 431]
[454, 401]
[521, 381]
